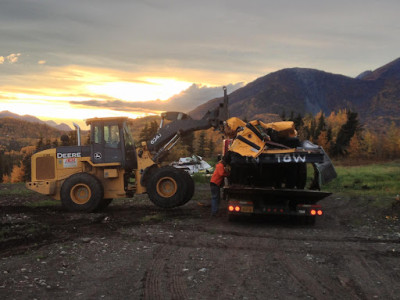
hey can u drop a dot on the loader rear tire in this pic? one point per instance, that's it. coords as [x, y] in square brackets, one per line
[81, 192]
[166, 187]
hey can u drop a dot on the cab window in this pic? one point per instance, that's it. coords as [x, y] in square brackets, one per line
[111, 136]
[97, 134]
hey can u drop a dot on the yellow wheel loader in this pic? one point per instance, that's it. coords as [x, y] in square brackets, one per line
[87, 178]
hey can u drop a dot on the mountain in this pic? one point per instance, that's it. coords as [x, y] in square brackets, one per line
[17, 133]
[374, 95]
[32, 119]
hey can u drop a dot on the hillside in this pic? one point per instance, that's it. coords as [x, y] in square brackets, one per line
[29, 118]
[375, 95]
[24, 132]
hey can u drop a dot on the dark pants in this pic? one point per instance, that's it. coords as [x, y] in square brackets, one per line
[215, 198]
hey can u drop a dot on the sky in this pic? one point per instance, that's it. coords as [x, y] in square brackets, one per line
[73, 60]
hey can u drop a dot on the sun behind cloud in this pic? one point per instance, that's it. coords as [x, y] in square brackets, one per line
[148, 89]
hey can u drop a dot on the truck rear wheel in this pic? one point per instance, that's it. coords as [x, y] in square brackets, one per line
[166, 187]
[301, 176]
[81, 192]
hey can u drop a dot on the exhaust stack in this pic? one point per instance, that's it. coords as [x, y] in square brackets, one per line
[78, 133]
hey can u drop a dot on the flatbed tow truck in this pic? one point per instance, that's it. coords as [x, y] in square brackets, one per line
[269, 171]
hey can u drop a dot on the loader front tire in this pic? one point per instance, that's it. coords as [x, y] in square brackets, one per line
[104, 203]
[189, 184]
[166, 187]
[81, 192]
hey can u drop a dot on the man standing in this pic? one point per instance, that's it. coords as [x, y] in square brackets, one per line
[217, 180]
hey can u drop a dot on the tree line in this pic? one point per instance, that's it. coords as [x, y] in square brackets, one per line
[340, 134]
[343, 136]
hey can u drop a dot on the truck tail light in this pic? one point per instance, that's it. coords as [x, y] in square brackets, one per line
[235, 208]
[319, 212]
[313, 212]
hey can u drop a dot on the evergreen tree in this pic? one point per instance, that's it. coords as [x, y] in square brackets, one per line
[211, 148]
[26, 163]
[298, 122]
[321, 126]
[188, 141]
[153, 129]
[1, 164]
[345, 134]
[144, 134]
[291, 118]
[283, 115]
[73, 138]
[54, 144]
[201, 145]
[313, 129]
[39, 145]
[148, 131]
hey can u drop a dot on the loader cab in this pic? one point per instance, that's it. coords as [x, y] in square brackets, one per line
[111, 142]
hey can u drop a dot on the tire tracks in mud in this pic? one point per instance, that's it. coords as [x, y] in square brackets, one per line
[163, 277]
[200, 238]
[370, 276]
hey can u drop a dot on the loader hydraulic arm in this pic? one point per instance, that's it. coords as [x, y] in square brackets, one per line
[182, 124]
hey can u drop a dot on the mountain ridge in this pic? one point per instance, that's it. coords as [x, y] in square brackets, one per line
[375, 95]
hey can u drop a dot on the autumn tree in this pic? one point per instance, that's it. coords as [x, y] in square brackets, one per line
[17, 174]
[392, 141]
[324, 142]
[5, 178]
[355, 148]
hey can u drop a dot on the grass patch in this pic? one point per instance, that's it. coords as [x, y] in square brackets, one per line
[380, 182]
[153, 218]
[201, 177]
[9, 232]
[14, 189]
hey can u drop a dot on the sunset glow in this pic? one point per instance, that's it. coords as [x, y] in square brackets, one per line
[61, 93]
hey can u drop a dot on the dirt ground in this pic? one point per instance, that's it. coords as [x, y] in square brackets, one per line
[134, 250]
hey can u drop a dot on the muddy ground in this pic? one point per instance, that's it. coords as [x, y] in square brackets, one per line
[134, 250]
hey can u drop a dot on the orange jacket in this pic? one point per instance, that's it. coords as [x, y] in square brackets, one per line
[219, 174]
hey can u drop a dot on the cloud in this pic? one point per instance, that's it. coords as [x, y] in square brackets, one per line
[185, 101]
[198, 94]
[13, 57]
[41, 62]
[122, 106]
[1, 60]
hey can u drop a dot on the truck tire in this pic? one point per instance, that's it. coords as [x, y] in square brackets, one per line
[166, 187]
[301, 176]
[81, 192]
[189, 184]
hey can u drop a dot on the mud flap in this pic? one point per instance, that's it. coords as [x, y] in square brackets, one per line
[326, 170]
